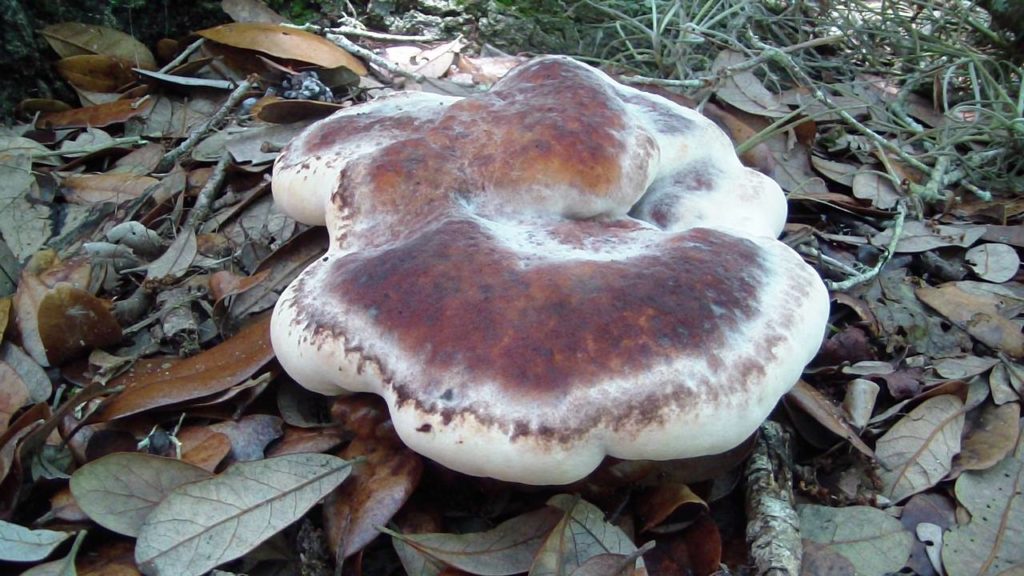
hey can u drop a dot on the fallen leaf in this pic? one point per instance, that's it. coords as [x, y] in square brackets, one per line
[25, 225]
[110, 187]
[62, 566]
[284, 43]
[506, 549]
[153, 383]
[385, 478]
[98, 116]
[871, 540]
[990, 433]
[203, 524]
[963, 367]
[250, 435]
[920, 236]
[821, 560]
[14, 394]
[993, 262]
[203, 447]
[73, 38]
[581, 534]
[917, 452]
[926, 508]
[20, 544]
[96, 72]
[822, 410]
[876, 187]
[111, 558]
[977, 316]
[176, 260]
[656, 505]
[118, 491]
[744, 90]
[990, 543]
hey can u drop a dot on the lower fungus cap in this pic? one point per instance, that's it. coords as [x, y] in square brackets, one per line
[524, 328]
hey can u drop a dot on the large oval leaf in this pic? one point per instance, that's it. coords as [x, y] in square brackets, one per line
[119, 490]
[284, 42]
[917, 452]
[206, 523]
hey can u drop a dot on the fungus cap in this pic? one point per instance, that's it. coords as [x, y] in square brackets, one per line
[532, 287]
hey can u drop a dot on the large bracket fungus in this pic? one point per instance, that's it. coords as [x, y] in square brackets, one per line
[559, 269]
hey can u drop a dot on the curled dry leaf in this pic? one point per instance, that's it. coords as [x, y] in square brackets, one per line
[917, 452]
[871, 540]
[812, 402]
[153, 383]
[657, 504]
[284, 42]
[990, 543]
[119, 490]
[206, 523]
[931, 509]
[20, 544]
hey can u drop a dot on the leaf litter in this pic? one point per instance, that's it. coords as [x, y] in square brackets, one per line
[149, 322]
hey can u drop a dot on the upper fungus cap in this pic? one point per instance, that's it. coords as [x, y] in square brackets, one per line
[532, 286]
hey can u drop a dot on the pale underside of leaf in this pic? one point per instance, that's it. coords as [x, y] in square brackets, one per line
[203, 524]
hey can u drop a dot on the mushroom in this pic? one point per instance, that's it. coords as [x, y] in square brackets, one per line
[534, 278]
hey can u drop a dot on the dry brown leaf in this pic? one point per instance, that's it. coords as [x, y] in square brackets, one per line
[98, 116]
[96, 72]
[14, 394]
[111, 558]
[654, 506]
[153, 383]
[73, 38]
[203, 447]
[380, 485]
[815, 404]
[299, 440]
[990, 433]
[917, 452]
[284, 42]
[978, 316]
[110, 187]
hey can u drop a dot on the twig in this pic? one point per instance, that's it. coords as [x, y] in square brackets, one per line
[373, 58]
[204, 201]
[890, 250]
[354, 30]
[364, 53]
[214, 122]
[773, 526]
[183, 56]
[723, 73]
